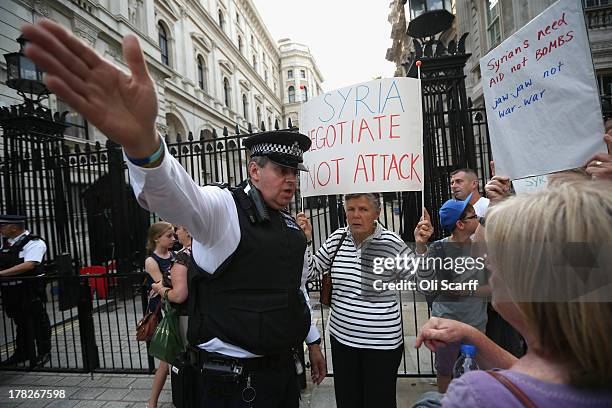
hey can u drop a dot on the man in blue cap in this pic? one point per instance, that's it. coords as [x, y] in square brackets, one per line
[21, 256]
[447, 261]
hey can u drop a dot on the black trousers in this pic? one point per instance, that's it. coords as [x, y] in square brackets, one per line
[365, 378]
[274, 388]
[24, 305]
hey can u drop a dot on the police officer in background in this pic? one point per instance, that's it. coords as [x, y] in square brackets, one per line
[247, 306]
[21, 256]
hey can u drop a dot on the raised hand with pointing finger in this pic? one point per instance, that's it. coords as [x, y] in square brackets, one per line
[423, 231]
[123, 106]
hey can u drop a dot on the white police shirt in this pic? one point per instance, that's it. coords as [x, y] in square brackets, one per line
[33, 251]
[209, 214]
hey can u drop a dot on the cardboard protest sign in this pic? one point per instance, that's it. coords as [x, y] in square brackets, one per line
[541, 96]
[365, 138]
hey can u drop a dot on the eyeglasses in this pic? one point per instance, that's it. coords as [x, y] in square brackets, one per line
[471, 217]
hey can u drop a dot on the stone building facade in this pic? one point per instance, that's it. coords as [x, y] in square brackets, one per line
[214, 62]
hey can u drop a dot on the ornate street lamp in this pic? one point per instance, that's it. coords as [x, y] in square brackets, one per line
[23, 75]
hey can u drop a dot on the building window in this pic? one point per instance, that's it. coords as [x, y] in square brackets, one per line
[226, 92]
[221, 20]
[201, 73]
[305, 92]
[493, 22]
[255, 62]
[245, 107]
[258, 117]
[605, 84]
[163, 44]
[303, 73]
[77, 125]
[240, 43]
[596, 3]
[291, 94]
[290, 74]
[237, 18]
[266, 76]
[269, 122]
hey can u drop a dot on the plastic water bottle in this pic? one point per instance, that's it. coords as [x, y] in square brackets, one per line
[466, 361]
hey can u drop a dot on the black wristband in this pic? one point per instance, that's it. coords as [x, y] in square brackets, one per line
[317, 341]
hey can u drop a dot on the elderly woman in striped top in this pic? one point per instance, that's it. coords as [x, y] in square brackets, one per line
[365, 323]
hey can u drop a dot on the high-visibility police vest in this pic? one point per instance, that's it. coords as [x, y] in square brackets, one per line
[253, 300]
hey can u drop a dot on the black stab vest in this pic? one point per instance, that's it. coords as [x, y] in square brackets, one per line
[9, 257]
[253, 300]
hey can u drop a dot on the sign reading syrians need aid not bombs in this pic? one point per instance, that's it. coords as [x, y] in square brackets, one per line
[365, 138]
[541, 96]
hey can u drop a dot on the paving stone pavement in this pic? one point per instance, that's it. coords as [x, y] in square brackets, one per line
[68, 390]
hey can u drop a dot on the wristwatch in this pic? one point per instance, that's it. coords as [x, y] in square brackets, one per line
[317, 341]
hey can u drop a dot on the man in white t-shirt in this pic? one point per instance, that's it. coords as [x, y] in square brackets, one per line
[465, 182]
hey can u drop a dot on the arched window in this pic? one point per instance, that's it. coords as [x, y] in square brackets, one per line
[240, 43]
[201, 73]
[226, 92]
[163, 44]
[245, 107]
[291, 94]
[305, 93]
[221, 20]
[258, 117]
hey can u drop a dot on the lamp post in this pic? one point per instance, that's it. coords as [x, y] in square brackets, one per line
[21, 120]
[22, 74]
[32, 138]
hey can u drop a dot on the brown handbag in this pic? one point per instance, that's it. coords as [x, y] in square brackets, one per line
[326, 280]
[146, 326]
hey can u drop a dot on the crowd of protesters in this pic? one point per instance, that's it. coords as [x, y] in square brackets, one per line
[249, 311]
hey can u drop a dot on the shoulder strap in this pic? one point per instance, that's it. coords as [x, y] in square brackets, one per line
[516, 391]
[342, 238]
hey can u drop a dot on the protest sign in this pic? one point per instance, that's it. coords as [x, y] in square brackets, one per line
[541, 96]
[530, 184]
[365, 138]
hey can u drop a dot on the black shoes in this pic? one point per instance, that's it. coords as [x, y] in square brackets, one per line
[41, 360]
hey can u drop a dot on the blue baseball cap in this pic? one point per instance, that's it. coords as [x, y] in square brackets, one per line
[451, 211]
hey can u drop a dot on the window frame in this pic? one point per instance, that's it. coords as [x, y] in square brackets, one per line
[162, 41]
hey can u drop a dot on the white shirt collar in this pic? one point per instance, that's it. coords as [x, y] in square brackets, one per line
[17, 238]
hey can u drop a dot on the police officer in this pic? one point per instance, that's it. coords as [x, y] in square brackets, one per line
[247, 306]
[22, 300]
[247, 309]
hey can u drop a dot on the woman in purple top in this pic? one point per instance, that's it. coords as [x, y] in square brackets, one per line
[550, 255]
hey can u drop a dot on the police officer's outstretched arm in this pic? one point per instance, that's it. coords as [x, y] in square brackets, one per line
[123, 106]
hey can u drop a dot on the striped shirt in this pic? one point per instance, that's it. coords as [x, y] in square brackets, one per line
[361, 316]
